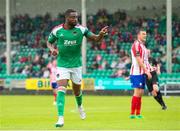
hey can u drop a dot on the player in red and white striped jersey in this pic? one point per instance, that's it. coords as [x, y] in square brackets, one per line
[53, 70]
[137, 73]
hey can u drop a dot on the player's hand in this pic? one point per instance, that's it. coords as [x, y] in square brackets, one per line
[127, 78]
[54, 52]
[104, 31]
[148, 74]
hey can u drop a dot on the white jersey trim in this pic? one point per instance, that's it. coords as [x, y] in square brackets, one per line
[56, 29]
[82, 28]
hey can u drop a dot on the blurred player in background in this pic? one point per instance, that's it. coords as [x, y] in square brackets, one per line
[68, 37]
[52, 66]
[152, 84]
[137, 73]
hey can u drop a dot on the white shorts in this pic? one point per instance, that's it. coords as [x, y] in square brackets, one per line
[74, 74]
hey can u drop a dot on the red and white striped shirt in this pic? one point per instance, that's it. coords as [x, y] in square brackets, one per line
[137, 49]
[53, 71]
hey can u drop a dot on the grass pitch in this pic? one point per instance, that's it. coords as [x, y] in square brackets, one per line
[103, 113]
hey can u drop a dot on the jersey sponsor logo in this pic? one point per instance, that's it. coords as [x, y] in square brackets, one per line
[70, 43]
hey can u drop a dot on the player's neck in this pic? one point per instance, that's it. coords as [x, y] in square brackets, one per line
[141, 41]
[68, 27]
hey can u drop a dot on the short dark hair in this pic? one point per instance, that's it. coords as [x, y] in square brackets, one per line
[141, 29]
[68, 11]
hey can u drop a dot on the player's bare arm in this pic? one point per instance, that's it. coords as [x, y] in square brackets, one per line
[54, 51]
[143, 66]
[100, 36]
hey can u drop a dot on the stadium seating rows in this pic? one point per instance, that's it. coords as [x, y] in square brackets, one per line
[32, 38]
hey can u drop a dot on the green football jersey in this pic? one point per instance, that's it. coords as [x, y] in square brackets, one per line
[69, 43]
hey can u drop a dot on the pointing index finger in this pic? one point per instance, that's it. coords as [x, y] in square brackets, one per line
[105, 27]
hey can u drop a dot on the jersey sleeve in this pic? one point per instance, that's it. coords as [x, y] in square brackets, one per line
[136, 49]
[52, 38]
[87, 32]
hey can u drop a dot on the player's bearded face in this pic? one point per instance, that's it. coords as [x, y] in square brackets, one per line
[72, 19]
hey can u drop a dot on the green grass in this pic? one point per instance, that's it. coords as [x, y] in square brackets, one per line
[103, 112]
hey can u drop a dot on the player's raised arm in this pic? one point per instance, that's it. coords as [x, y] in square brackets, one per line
[100, 36]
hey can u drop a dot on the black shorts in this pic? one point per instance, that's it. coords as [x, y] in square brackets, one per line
[153, 80]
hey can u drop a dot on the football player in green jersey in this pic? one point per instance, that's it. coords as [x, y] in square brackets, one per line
[68, 38]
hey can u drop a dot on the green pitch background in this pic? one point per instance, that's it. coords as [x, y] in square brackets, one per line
[103, 113]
